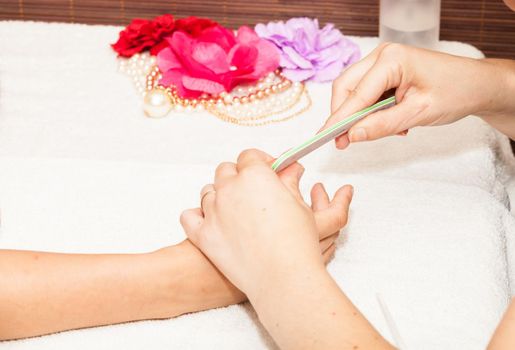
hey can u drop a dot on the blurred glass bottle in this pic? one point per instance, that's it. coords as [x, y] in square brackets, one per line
[411, 22]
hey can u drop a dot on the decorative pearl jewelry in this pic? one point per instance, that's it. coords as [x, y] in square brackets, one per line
[272, 99]
[156, 103]
[228, 99]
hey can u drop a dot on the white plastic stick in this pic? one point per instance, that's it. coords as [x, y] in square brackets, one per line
[391, 324]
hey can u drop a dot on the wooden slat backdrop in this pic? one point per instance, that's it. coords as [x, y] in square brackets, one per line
[487, 24]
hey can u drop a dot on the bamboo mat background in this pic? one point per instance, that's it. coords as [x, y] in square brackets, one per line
[486, 24]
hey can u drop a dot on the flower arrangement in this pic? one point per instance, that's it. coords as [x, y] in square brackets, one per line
[308, 52]
[244, 76]
[216, 61]
[144, 34]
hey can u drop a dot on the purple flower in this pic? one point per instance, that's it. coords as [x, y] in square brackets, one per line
[308, 52]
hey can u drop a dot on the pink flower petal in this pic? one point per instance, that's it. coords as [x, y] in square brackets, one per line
[212, 56]
[243, 56]
[246, 35]
[223, 37]
[202, 85]
[268, 58]
[174, 78]
[239, 80]
[183, 44]
[166, 60]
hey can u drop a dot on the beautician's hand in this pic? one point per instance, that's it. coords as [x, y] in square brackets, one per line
[258, 231]
[432, 88]
[207, 288]
[252, 200]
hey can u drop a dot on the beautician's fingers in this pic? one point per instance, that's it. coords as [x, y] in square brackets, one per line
[384, 75]
[319, 197]
[328, 254]
[342, 141]
[225, 170]
[326, 242]
[334, 217]
[290, 177]
[349, 79]
[207, 199]
[380, 78]
[253, 157]
[387, 122]
[191, 219]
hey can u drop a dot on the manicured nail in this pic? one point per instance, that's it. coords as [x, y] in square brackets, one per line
[357, 135]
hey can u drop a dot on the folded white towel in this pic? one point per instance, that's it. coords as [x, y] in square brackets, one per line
[81, 170]
[434, 250]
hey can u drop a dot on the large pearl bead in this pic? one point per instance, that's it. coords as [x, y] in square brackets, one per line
[156, 103]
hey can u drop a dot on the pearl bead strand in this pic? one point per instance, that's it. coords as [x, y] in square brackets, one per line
[138, 67]
[245, 105]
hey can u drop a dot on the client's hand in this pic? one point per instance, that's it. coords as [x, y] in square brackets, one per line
[204, 287]
[257, 230]
[255, 223]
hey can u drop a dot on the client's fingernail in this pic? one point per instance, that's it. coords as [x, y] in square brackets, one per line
[357, 135]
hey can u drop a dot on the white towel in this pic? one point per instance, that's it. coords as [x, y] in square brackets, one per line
[433, 250]
[81, 170]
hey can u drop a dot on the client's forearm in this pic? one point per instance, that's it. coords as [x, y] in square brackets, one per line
[43, 293]
[498, 107]
[48, 292]
[305, 309]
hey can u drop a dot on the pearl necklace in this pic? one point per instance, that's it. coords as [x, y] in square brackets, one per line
[273, 99]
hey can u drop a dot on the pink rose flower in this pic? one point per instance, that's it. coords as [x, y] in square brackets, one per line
[216, 61]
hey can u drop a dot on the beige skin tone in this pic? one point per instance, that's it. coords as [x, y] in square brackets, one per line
[432, 88]
[302, 308]
[43, 293]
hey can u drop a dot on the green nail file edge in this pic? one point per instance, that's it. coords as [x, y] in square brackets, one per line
[289, 157]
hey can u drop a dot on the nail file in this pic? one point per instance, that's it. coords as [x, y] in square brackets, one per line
[320, 139]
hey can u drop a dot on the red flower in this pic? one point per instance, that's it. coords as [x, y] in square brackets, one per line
[144, 34]
[216, 61]
[194, 26]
